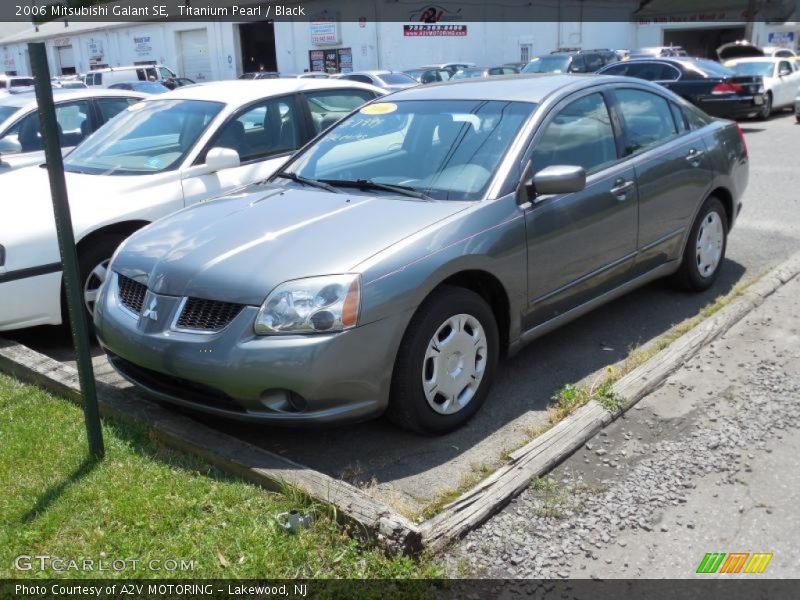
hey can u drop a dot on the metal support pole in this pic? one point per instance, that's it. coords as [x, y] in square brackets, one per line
[66, 244]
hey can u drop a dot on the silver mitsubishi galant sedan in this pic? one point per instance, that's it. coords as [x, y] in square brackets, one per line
[401, 253]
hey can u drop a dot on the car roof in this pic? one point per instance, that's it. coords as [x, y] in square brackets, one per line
[514, 88]
[26, 98]
[242, 91]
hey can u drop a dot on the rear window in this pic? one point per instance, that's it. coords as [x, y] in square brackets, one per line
[709, 67]
[396, 78]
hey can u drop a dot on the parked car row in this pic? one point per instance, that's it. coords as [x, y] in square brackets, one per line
[300, 250]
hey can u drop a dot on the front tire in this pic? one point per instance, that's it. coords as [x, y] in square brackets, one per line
[705, 248]
[93, 268]
[446, 363]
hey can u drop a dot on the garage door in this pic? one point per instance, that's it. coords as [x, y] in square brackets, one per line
[195, 57]
[66, 60]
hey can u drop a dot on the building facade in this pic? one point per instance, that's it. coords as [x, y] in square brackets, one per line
[389, 35]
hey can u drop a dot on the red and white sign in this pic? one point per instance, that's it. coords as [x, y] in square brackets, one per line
[434, 30]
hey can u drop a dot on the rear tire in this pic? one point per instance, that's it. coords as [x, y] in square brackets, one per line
[766, 110]
[705, 248]
[446, 363]
[93, 268]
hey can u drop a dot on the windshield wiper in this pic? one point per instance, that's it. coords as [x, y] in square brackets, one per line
[306, 181]
[368, 184]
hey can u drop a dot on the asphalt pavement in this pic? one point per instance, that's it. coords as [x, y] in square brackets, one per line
[407, 470]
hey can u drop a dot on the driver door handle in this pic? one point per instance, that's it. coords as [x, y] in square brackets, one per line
[694, 156]
[621, 188]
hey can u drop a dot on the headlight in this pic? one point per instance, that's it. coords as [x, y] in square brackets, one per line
[312, 305]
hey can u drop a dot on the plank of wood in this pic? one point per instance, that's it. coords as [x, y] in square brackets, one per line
[369, 517]
[489, 496]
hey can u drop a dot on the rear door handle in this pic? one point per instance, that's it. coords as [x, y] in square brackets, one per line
[621, 188]
[694, 156]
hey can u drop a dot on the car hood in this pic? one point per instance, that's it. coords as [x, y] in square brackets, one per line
[93, 199]
[237, 249]
[738, 50]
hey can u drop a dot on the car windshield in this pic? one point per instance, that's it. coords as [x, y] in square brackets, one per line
[150, 87]
[709, 67]
[7, 111]
[468, 74]
[762, 68]
[547, 64]
[148, 137]
[445, 149]
[396, 78]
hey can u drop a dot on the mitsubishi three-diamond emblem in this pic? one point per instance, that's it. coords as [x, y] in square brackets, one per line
[150, 312]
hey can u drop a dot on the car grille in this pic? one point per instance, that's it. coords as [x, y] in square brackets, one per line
[131, 293]
[207, 315]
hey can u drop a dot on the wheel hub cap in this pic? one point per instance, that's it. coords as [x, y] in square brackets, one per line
[710, 238]
[454, 364]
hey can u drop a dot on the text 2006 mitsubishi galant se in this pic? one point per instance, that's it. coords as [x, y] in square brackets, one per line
[402, 252]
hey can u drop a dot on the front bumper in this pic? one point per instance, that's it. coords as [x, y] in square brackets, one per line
[731, 107]
[234, 373]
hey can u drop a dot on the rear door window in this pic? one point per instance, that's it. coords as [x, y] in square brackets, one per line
[648, 119]
[111, 107]
[329, 107]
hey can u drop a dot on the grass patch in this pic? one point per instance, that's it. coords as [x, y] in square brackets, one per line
[469, 480]
[142, 503]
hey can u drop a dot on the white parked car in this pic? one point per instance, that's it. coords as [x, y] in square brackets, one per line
[78, 112]
[781, 78]
[14, 82]
[157, 156]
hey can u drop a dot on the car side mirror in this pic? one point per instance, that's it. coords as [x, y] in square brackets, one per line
[559, 179]
[784, 72]
[219, 159]
[10, 146]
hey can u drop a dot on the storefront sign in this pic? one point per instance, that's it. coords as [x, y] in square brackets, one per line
[61, 42]
[324, 32]
[142, 45]
[95, 51]
[785, 39]
[317, 60]
[435, 30]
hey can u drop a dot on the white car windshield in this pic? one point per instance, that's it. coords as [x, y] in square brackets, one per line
[7, 111]
[754, 68]
[147, 137]
[443, 149]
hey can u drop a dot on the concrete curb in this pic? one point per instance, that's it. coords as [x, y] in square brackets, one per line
[370, 516]
[546, 451]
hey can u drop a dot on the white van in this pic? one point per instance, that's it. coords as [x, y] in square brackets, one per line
[15, 82]
[106, 77]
